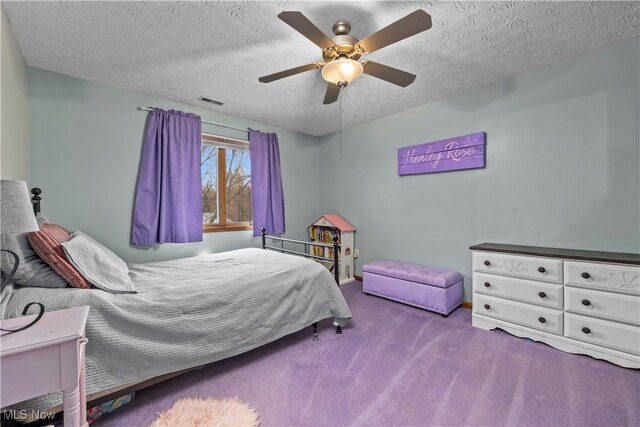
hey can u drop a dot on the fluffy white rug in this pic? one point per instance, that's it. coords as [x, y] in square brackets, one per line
[196, 412]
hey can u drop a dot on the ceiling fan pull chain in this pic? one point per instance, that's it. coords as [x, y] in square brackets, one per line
[341, 95]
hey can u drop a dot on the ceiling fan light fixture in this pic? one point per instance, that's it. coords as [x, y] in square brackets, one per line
[342, 71]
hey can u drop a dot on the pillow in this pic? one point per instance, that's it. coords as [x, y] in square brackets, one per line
[101, 267]
[47, 243]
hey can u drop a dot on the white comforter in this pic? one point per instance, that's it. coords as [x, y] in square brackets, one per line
[190, 312]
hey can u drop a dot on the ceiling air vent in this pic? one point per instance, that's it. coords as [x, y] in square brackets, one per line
[210, 101]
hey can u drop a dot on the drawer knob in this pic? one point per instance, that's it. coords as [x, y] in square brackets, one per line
[487, 263]
[541, 269]
[542, 320]
[487, 284]
[585, 275]
[586, 330]
[487, 306]
[586, 302]
[542, 295]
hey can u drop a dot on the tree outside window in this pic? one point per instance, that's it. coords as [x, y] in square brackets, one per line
[226, 188]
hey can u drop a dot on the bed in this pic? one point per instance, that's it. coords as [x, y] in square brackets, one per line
[190, 312]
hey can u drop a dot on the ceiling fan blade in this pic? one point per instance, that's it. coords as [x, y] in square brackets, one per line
[290, 72]
[301, 24]
[331, 96]
[389, 74]
[408, 26]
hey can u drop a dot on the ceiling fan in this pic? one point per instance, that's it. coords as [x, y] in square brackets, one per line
[340, 54]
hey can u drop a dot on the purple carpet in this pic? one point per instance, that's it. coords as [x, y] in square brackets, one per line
[398, 365]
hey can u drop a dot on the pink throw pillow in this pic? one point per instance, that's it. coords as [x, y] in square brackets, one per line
[47, 243]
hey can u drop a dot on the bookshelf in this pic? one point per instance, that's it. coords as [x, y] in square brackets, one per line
[322, 231]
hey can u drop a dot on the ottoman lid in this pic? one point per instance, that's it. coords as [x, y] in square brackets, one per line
[440, 277]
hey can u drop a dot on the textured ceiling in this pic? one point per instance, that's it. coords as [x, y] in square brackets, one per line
[184, 50]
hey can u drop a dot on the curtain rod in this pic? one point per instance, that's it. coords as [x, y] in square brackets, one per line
[203, 121]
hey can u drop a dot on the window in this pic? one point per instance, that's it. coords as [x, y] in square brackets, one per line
[226, 184]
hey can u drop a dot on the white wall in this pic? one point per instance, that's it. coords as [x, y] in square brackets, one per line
[14, 117]
[562, 167]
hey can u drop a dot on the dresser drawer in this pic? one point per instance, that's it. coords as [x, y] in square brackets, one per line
[608, 305]
[539, 293]
[543, 319]
[609, 277]
[526, 267]
[603, 332]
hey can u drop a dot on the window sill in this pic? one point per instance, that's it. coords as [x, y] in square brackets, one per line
[216, 228]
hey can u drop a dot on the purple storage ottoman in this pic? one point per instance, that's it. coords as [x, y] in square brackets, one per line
[434, 289]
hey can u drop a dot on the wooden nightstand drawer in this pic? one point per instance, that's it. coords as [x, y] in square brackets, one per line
[35, 372]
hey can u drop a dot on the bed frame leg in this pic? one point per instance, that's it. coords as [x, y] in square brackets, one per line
[315, 331]
[338, 329]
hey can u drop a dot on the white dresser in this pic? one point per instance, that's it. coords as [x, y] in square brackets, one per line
[577, 301]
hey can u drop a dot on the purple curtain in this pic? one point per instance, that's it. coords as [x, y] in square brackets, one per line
[267, 197]
[168, 205]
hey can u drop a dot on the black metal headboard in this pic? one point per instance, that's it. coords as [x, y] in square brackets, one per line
[35, 200]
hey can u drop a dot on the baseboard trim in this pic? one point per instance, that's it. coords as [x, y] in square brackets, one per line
[359, 278]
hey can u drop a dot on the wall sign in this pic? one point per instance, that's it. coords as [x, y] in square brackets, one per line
[464, 152]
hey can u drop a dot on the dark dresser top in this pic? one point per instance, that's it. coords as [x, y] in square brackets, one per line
[613, 257]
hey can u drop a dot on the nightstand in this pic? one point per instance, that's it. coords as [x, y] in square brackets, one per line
[47, 357]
